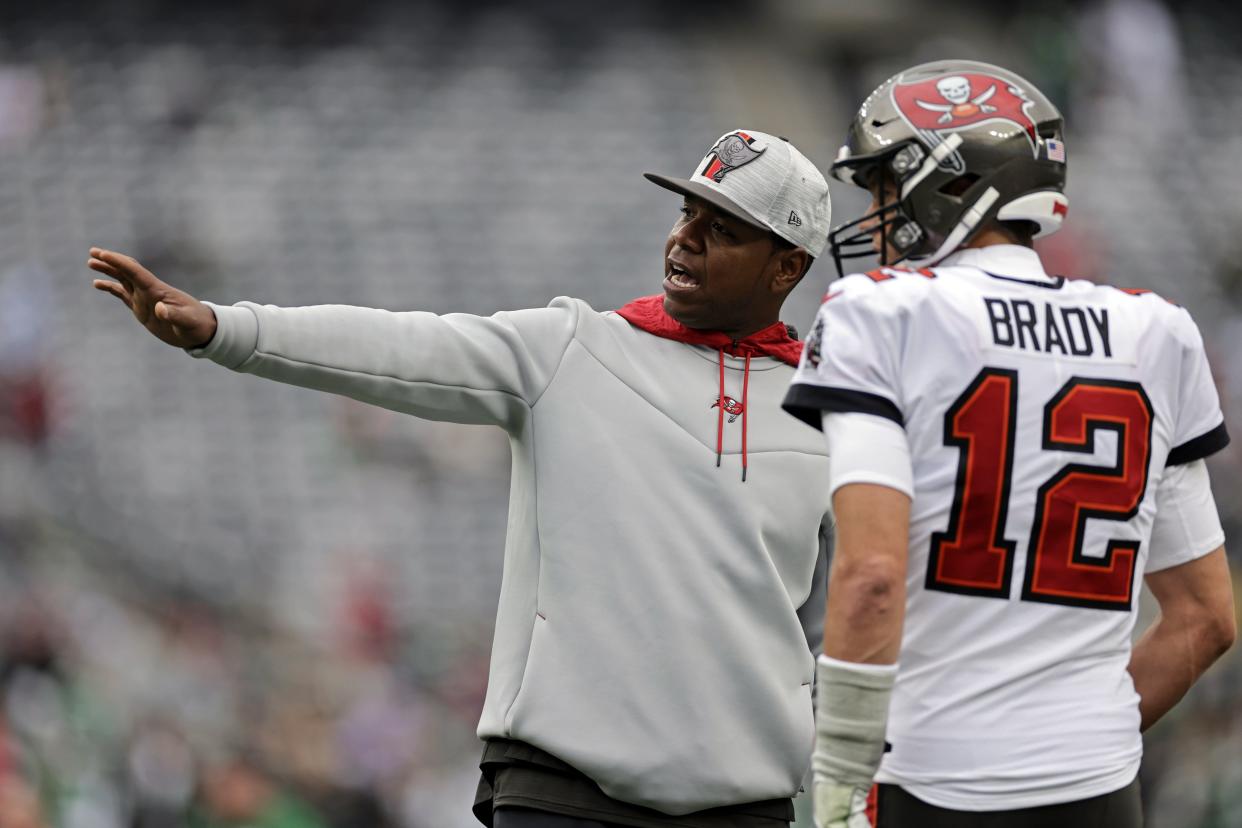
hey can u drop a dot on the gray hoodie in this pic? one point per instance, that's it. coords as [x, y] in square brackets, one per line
[648, 631]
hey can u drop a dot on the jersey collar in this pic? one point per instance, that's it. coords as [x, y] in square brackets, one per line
[1012, 261]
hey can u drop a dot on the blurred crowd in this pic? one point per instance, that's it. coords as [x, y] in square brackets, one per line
[169, 652]
[161, 713]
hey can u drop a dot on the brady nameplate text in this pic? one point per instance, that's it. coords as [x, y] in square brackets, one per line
[1046, 328]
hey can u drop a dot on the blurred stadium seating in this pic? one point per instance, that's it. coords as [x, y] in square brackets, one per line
[219, 594]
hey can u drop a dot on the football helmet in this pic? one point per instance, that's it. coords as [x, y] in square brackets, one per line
[962, 143]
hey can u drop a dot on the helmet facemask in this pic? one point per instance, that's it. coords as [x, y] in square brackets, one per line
[892, 219]
[914, 170]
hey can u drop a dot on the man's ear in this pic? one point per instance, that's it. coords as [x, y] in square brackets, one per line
[791, 265]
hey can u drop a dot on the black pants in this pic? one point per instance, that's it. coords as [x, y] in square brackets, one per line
[526, 818]
[1120, 809]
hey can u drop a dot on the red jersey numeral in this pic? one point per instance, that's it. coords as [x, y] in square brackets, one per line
[972, 555]
[1061, 574]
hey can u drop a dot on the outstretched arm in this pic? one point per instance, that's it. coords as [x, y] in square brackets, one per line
[456, 367]
[171, 315]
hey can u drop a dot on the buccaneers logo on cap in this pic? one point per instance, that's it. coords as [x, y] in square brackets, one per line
[730, 152]
[963, 101]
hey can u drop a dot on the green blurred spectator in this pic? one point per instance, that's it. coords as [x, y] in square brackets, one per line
[237, 794]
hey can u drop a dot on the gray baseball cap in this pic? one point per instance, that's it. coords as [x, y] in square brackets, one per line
[763, 180]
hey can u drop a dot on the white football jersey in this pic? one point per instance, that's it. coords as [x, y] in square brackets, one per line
[1041, 414]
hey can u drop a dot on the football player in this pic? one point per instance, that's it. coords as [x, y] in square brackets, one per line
[1012, 450]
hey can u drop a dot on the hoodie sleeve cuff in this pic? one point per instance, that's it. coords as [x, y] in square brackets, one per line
[237, 336]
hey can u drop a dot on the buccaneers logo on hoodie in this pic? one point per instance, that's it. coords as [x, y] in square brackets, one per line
[776, 341]
[731, 406]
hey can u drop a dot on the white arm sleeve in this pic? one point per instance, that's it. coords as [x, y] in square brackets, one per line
[1187, 525]
[865, 448]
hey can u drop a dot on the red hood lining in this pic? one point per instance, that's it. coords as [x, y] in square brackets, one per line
[647, 313]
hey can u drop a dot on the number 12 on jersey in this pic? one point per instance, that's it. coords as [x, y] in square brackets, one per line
[973, 557]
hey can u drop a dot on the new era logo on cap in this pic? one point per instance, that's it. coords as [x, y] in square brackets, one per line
[763, 180]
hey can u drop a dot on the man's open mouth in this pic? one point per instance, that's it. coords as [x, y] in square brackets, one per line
[679, 277]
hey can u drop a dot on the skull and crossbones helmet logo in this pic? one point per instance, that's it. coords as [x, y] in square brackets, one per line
[956, 90]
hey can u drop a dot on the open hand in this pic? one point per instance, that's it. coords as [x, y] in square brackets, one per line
[172, 315]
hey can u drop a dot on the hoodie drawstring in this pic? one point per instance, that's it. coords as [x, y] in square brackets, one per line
[720, 404]
[720, 414]
[745, 411]
[778, 341]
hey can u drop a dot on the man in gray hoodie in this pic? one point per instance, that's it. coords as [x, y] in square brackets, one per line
[650, 666]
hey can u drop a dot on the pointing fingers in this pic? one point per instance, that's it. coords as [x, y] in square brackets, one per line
[100, 266]
[115, 289]
[122, 267]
